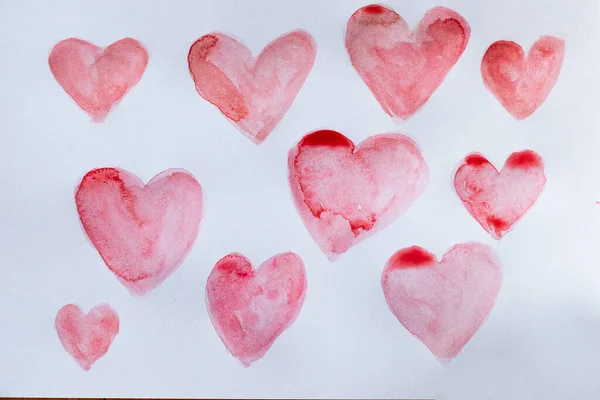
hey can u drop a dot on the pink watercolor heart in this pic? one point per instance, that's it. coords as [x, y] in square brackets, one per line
[98, 78]
[442, 303]
[254, 93]
[345, 193]
[404, 68]
[87, 337]
[521, 83]
[251, 308]
[142, 232]
[498, 200]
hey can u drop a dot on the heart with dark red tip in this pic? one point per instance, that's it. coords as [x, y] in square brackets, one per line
[404, 68]
[442, 303]
[346, 193]
[497, 200]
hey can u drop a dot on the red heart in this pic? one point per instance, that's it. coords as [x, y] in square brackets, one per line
[251, 308]
[254, 93]
[498, 200]
[442, 303]
[143, 233]
[345, 193]
[87, 337]
[98, 78]
[404, 68]
[522, 84]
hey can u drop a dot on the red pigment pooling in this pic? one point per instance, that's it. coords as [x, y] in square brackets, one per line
[498, 200]
[444, 303]
[374, 9]
[97, 78]
[86, 337]
[404, 68]
[251, 308]
[254, 93]
[497, 225]
[520, 83]
[326, 138]
[411, 257]
[345, 193]
[142, 232]
[475, 159]
[524, 159]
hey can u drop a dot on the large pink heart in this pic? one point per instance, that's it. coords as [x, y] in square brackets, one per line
[143, 233]
[98, 78]
[86, 337]
[251, 308]
[442, 303]
[254, 93]
[520, 83]
[498, 200]
[345, 193]
[404, 68]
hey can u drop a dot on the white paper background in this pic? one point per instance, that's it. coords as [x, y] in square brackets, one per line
[542, 339]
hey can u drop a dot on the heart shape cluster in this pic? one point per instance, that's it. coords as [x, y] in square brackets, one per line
[344, 193]
[401, 67]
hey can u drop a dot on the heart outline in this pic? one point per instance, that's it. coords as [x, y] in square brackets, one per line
[520, 87]
[244, 306]
[442, 303]
[489, 195]
[98, 78]
[228, 76]
[86, 337]
[125, 220]
[331, 225]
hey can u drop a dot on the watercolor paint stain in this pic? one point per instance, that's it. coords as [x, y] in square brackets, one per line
[250, 308]
[403, 68]
[86, 337]
[96, 78]
[497, 200]
[345, 193]
[522, 83]
[442, 303]
[142, 232]
[254, 93]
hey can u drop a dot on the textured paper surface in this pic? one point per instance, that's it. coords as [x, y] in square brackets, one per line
[541, 337]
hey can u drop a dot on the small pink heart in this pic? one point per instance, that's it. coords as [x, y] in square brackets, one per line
[251, 308]
[346, 193]
[142, 232]
[254, 93]
[498, 200]
[404, 68]
[520, 83]
[87, 337]
[442, 303]
[98, 78]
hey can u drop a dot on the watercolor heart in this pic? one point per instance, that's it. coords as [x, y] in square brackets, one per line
[498, 200]
[87, 337]
[254, 93]
[251, 308]
[404, 68]
[520, 83]
[442, 303]
[98, 78]
[143, 233]
[345, 193]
